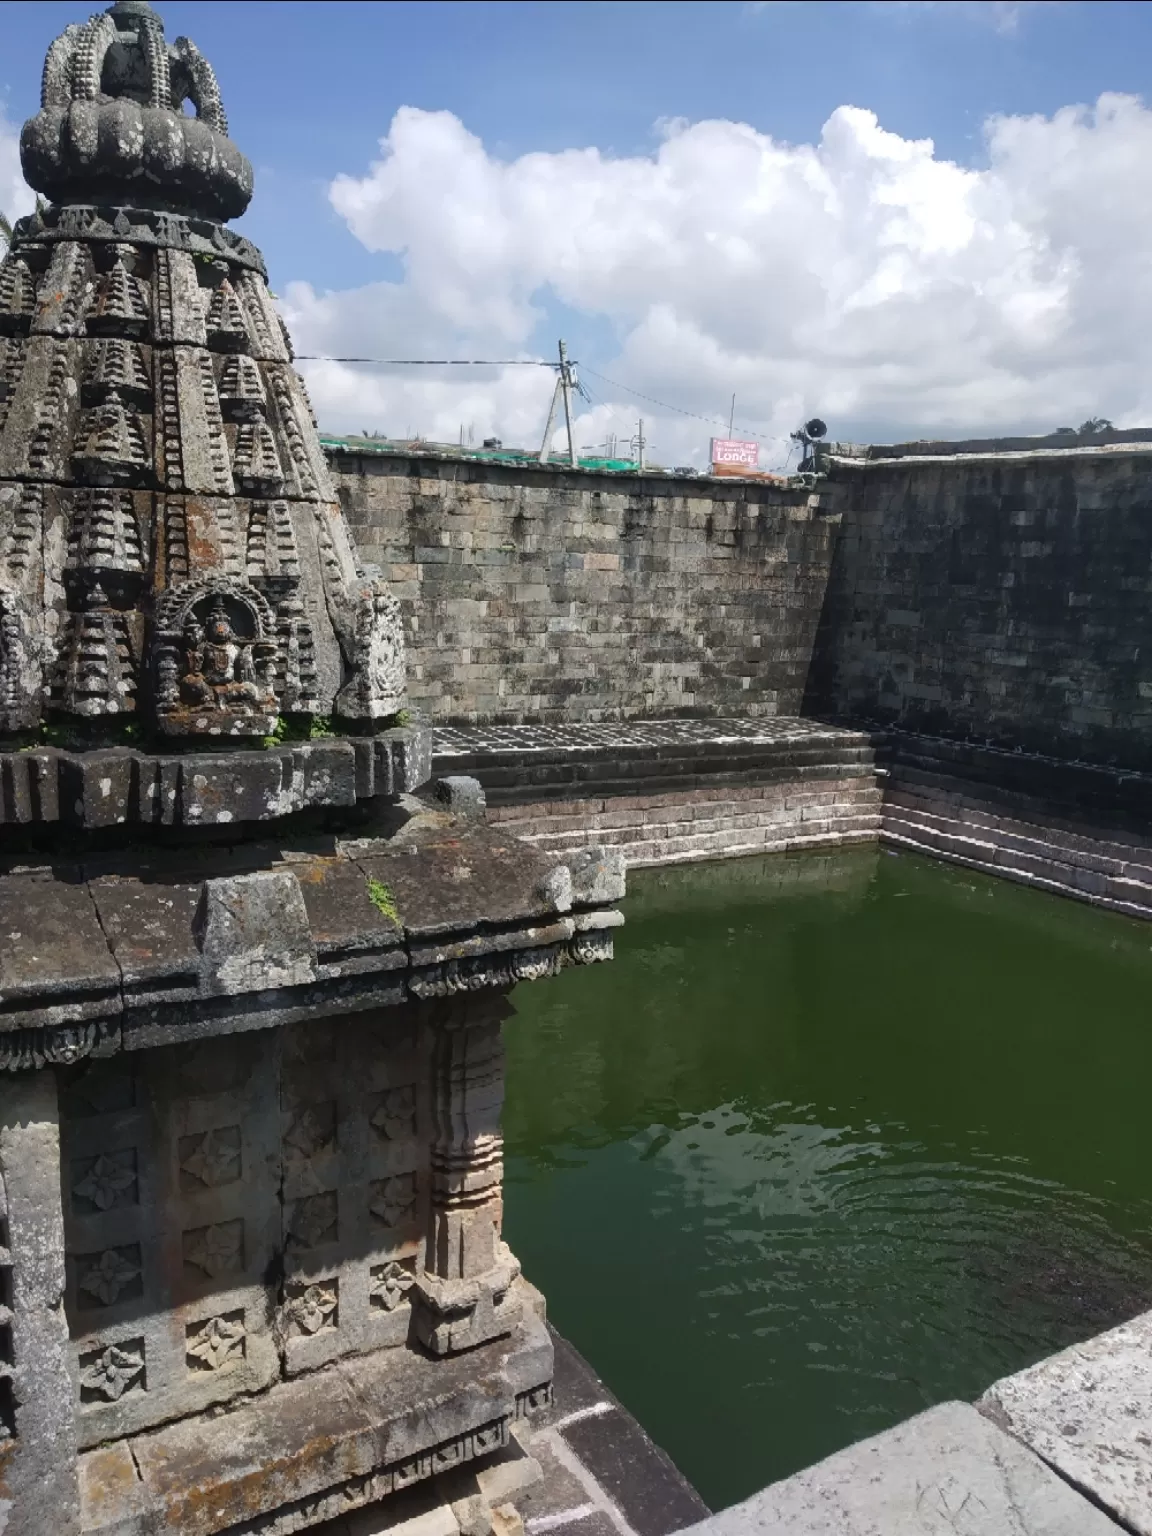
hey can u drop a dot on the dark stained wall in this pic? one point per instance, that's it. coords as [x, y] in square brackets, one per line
[1005, 599]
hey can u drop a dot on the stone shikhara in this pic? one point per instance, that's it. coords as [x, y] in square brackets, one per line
[250, 1087]
[171, 546]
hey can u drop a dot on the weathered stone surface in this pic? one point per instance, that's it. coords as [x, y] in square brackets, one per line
[130, 952]
[461, 794]
[597, 876]
[994, 598]
[55, 966]
[386, 1422]
[127, 787]
[446, 876]
[947, 1470]
[351, 931]
[546, 594]
[171, 1183]
[149, 928]
[253, 934]
[1086, 1411]
[39, 1492]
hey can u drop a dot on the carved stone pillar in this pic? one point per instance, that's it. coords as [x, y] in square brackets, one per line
[465, 1294]
[39, 1491]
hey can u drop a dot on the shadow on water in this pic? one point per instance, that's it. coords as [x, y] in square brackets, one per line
[836, 1137]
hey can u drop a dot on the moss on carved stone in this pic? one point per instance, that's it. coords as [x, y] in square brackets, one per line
[381, 897]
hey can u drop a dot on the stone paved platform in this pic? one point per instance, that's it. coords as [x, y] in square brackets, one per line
[1088, 1412]
[781, 730]
[947, 1472]
[1063, 1448]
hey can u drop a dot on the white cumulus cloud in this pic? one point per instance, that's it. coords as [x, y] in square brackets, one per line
[863, 277]
[16, 197]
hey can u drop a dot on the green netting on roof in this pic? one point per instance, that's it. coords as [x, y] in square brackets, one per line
[524, 456]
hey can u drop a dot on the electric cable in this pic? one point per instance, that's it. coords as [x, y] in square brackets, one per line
[679, 409]
[432, 362]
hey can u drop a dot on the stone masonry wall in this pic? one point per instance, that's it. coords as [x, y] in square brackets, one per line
[1002, 598]
[546, 595]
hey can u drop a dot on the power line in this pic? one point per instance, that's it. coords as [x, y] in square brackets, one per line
[433, 362]
[663, 404]
[525, 362]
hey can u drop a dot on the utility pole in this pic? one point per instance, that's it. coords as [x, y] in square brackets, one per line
[638, 444]
[565, 384]
[732, 416]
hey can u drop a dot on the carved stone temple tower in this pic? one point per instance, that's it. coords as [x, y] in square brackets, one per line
[173, 551]
[251, 988]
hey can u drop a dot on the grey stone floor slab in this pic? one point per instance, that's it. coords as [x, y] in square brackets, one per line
[1088, 1411]
[781, 730]
[947, 1472]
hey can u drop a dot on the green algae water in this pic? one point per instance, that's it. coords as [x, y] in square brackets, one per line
[834, 1138]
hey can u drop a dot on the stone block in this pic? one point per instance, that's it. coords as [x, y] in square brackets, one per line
[351, 930]
[1086, 1411]
[253, 934]
[328, 772]
[946, 1470]
[56, 967]
[233, 788]
[461, 795]
[464, 877]
[597, 876]
[39, 1491]
[149, 928]
[97, 789]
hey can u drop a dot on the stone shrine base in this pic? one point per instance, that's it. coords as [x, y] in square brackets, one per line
[380, 1422]
[580, 1466]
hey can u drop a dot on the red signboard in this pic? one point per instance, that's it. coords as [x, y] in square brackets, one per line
[730, 451]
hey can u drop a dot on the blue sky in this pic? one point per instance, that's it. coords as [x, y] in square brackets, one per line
[311, 89]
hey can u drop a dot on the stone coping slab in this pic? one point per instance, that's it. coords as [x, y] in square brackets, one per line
[946, 1472]
[152, 950]
[1088, 1412]
[293, 1455]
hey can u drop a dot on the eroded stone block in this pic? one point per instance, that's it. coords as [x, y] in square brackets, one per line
[946, 1470]
[1086, 1411]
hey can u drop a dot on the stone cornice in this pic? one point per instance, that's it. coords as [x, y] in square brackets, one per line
[136, 953]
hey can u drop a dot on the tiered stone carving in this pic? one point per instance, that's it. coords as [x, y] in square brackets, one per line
[171, 547]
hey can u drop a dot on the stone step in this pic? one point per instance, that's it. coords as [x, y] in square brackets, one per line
[850, 791]
[1103, 853]
[656, 843]
[960, 844]
[722, 818]
[718, 818]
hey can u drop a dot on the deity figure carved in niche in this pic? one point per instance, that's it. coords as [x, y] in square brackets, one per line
[223, 670]
[215, 661]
